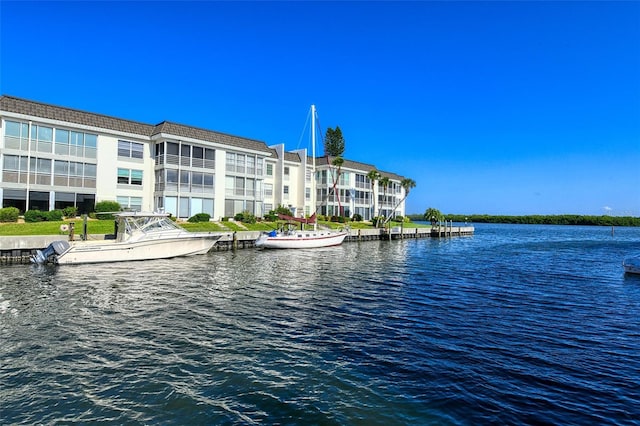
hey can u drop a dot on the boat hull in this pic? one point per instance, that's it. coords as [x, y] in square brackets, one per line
[631, 265]
[101, 252]
[302, 240]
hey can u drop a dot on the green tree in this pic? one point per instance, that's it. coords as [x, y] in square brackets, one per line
[104, 209]
[408, 184]
[373, 176]
[334, 142]
[337, 163]
[432, 215]
[384, 181]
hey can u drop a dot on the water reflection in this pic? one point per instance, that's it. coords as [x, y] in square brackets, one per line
[461, 330]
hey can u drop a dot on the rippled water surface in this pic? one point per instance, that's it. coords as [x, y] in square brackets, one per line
[517, 324]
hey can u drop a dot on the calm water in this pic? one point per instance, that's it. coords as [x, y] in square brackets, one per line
[518, 324]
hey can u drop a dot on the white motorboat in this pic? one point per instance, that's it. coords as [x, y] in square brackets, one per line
[631, 264]
[139, 236]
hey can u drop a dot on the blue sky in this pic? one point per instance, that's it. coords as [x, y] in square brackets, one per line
[491, 107]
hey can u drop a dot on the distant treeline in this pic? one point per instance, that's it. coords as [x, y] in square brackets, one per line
[564, 219]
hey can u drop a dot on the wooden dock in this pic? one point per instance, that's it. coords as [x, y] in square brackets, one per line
[18, 249]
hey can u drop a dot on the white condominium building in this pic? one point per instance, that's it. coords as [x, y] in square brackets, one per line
[53, 157]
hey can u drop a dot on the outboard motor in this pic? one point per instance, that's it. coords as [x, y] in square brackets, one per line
[55, 248]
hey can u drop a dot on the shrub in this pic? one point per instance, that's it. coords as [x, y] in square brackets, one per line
[107, 207]
[357, 217]
[34, 216]
[200, 217]
[40, 216]
[245, 217]
[9, 214]
[270, 217]
[377, 220]
[282, 210]
[53, 215]
[70, 211]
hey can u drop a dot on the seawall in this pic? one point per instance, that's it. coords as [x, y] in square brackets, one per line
[18, 249]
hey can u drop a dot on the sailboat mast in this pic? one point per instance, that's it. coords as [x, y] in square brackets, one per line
[313, 136]
[313, 162]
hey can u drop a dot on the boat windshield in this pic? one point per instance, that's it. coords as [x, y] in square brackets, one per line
[147, 224]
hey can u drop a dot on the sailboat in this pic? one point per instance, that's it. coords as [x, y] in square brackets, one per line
[289, 236]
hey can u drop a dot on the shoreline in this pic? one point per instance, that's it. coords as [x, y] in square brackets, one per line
[18, 249]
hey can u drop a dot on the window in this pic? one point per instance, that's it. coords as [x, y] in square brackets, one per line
[172, 176]
[136, 177]
[75, 169]
[75, 143]
[77, 138]
[251, 187]
[130, 203]
[307, 193]
[130, 177]
[268, 190]
[41, 133]
[15, 129]
[208, 180]
[196, 179]
[130, 149]
[91, 141]
[285, 190]
[198, 152]
[172, 148]
[62, 136]
[229, 183]
[269, 169]
[90, 170]
[231, 162]
[61, 168]
[259, 166]
[41, 165]
[239, 189]
[240, 162]
[123, 176]
[184, 179]
[11, 163]
[344, 178]
[185, 155]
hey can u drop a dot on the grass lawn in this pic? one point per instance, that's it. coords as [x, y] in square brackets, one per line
[106, 227]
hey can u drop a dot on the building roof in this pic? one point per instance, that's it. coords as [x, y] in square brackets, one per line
[355, 165]
[292, 156]
[69, 115]
[181, 130]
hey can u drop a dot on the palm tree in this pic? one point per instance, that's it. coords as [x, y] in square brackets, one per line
[433, 215]
[384, 181]
[373, 176]
[337, 162]
[408, 184]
